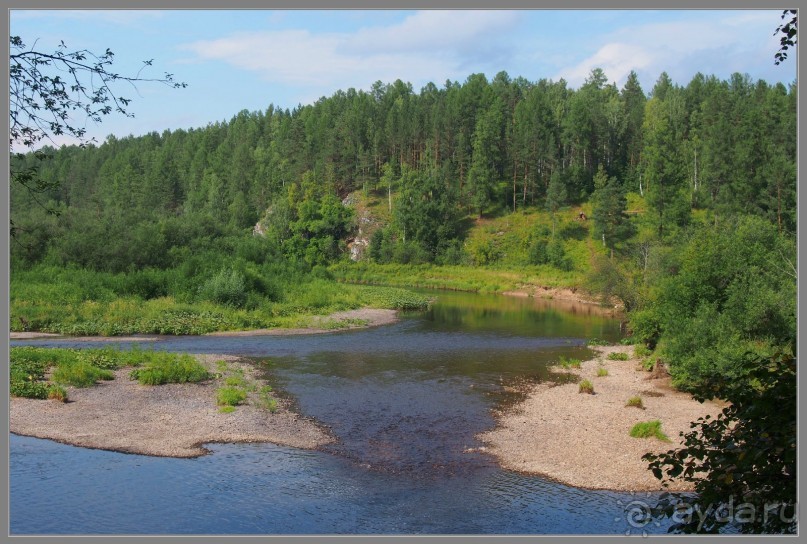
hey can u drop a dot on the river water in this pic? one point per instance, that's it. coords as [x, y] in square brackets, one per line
[405, 402]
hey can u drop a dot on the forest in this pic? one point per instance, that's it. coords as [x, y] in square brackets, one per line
[708, 170]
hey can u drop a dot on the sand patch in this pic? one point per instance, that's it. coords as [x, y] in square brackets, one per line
[582, 440]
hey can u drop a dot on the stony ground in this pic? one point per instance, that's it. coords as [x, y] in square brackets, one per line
[172, 420]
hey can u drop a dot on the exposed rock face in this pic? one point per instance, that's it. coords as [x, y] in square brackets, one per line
[258, 230]
[362, 240]
[365, 222]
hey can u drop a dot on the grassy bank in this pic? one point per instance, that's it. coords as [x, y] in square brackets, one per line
[456, 277]
[44, 372]
[82, 302]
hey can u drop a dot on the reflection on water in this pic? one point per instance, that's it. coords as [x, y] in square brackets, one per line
[405, 402]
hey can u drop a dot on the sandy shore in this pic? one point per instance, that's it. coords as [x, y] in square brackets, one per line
[582, 440]
[553, 293]
[172, 420]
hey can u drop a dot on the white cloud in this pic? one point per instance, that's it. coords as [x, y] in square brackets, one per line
[681, 48]
[429, 45]
[433, 32]
[616, 60]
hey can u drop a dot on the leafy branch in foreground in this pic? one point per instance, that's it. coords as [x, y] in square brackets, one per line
[50, 93]
[789, 33]
[742, 463]
[47, 89]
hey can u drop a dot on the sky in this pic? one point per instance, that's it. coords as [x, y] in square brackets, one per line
[234, 60]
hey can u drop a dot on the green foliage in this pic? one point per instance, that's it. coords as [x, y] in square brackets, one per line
[556, 194]
[610, 280]
[617, 356]
[586, 387]
[77, 306]
[227, 409]
[734, 291]
[80, 374]
[556, 255]
[649, 429]
[235, 381]
[265, 399]
[170, 368]
[602, 372]
[641, 350]
[396, 299]
[746, 455]
[309, 222]
[29, 389]
[645, 326]
[424, 215]
[608, 211]
[568, 363]
[79, 368]
[484, 250]
[57, 392]
[227, 288]
[230, 396]
[635, 402]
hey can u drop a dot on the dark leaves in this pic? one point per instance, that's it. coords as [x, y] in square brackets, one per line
[789, 38]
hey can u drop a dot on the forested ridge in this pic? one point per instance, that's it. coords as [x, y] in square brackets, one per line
[480, 147]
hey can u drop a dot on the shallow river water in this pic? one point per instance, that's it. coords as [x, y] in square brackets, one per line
[405, 402]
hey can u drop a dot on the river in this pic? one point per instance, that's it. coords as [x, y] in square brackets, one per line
[405, 402]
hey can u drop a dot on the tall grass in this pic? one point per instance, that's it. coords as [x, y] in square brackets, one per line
[29, 365]
[75, 305]
[649, 429]
[170, 368]
[80, 374]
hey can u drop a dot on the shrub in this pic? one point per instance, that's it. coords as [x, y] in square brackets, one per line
[556, 255]
[648, 429]
[266, 400]
[227, 287]
[170, 368]
[57, 392]
[635, 402]
[641, 350]
[28, 389]
[537, 252]
[230, 396]
[617, 356]
[569, 363]
[227, 409]
[601, 372]
[235, 381]
[586, 387]
[646, 327]
[106, 359]
[80, 374]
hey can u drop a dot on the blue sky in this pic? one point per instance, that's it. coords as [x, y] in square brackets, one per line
[236, 60]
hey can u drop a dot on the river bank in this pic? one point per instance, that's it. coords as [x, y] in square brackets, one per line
[582, 440]
[345, 320]
[172, 420]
